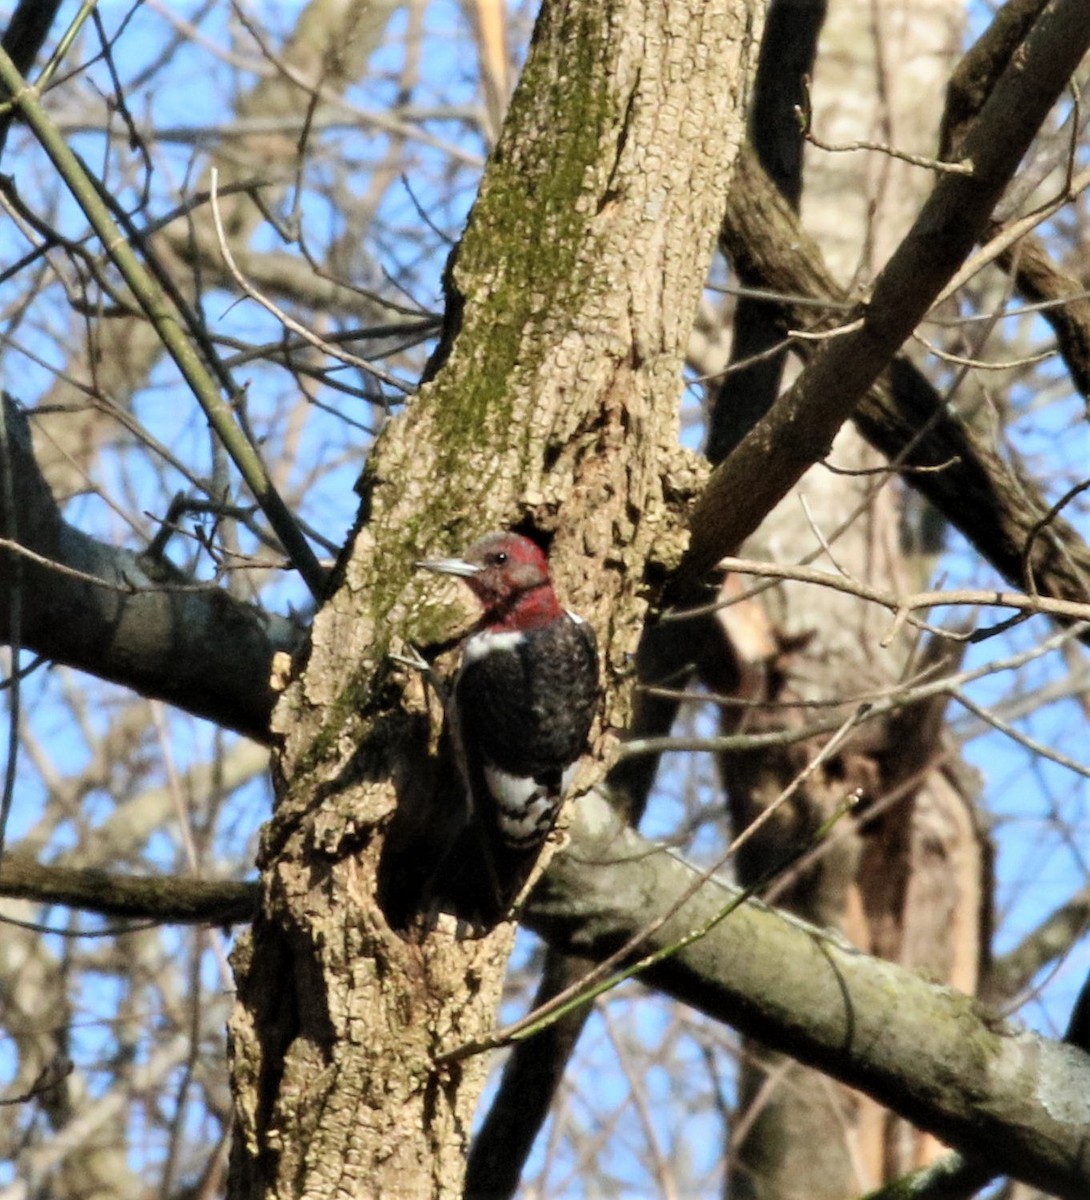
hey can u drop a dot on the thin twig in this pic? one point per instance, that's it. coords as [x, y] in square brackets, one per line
[287, 321]
[947, 685]
[15, 620]
[980, 364]
[804, 114]
[1010, 234]
[961, 597]
[166, 323]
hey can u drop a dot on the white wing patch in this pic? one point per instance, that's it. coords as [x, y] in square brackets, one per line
[526, 809]
[488, 642]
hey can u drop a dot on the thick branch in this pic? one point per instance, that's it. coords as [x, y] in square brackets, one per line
[1041, 281]
[1016, 1100]
[144, 626]
[800, 428]
[951, 1178]
[1045, 944]
[165, 898]
[986, 498]
[982, 64]
[787, 55]
[1038, 279]
[530, 1079]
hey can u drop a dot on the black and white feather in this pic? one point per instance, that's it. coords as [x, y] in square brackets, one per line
[518, 719]
[523, 706]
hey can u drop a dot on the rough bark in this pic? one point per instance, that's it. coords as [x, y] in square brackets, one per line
[994, 504]
[927, 1051]
[569, 302]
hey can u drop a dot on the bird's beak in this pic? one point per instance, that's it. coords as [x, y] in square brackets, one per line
[449, 566]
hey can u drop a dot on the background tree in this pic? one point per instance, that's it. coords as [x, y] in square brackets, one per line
[227, 265]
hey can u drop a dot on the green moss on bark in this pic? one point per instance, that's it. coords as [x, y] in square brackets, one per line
[534, 206]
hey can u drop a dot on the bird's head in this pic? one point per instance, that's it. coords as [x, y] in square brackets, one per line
[509, 575]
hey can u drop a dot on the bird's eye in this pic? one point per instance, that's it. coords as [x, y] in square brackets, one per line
[500, 557]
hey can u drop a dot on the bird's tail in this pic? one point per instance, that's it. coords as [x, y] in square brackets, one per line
[440, 857]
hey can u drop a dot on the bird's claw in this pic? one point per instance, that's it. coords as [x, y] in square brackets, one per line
[415, 661]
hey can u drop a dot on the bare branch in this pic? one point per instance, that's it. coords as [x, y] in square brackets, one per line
[133, 621]
[990, 501]
[800, 427]
[163, 899]
[1012, 1097]
[88, 194]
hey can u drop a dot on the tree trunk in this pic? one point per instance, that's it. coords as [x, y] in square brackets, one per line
[905, 879]
[569, 304]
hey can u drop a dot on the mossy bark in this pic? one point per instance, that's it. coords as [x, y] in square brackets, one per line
[552, 405]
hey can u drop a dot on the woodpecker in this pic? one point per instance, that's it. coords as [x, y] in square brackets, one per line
[524, 695]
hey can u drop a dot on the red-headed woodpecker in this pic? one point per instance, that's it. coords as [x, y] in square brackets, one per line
[525, 693]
